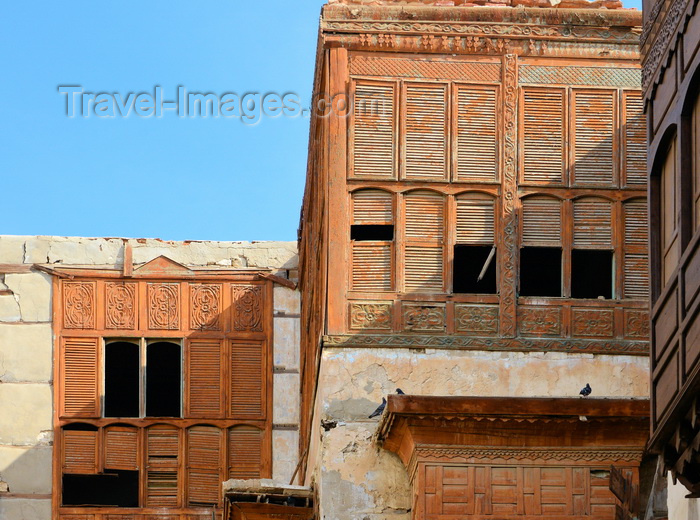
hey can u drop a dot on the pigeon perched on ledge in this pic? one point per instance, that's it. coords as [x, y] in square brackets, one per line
[379, 409]
[586, 390]
[399, 391]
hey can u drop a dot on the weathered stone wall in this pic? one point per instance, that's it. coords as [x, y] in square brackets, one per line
[26, 350]
[362, 481]
[679, 507]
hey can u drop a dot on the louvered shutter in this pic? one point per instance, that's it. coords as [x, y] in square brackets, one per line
[424, 235]
[79, 377]
[162, 447]
[635, 268]
[425, 131]
[373, 130]
[371, 266]
[475, 220]
[541, 221]
[79, 451]
[543, 136]
[245, 448]
[204, 461]
[593, 138]
[372, 207]
[203, 384]
[121, 445]
[477, 156]
[592, 223]
[247, 380]
[635, 140]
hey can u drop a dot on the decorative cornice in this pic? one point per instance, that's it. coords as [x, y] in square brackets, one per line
[438, 451]
[637, 348]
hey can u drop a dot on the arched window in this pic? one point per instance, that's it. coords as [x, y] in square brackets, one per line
[474, 263]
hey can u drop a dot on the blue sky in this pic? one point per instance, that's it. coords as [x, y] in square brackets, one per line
[176, 178]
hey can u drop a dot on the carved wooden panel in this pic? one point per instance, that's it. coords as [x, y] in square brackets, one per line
[476, 319]
[540, 321]
[597, 323]
[247, 305]
[79, 305]
[636, 324]
[371, 315]
[163, 306]
[120, 305]
[205, 306]
[433, 69]
[423, 317]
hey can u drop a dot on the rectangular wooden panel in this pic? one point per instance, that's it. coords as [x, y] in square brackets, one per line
[373, 132]
[424, 215]
[121, 448]
[78, 371]
[162, 482]
[542, 222]
[79, 450]
[204, 460]
[593, 124]
[203, 385]
[636, 224]
[372, 266]
[245, 447]
[248, 373]
[423, 268]
[372, 207]
[476, 140]
[425, 131]
[543, 135]
[475, 220]
[592, 223]
[635, 143]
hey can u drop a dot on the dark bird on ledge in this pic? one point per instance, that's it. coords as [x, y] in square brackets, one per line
[586, 390]
[379, 409]
[399, 391]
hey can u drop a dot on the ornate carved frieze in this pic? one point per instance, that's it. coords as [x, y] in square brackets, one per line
[247, 308]
[616, 77]
[163, 306]
[120, 305]
[361, 65]
[466, 342]
[423, 317]
[636, 324]
[79, 305]
[539, 321]
[437, 452]
[205, 306]
[371, 315]
[596, 323]
[476, 319]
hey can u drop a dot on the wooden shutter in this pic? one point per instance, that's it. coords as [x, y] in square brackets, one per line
[245, 448]
[635, 154]
[203, 383]
[163, 443]
[372, 207]
[635, 267]
[373, 130]
[248, 380]
[78, 369]
[695, 144]
[669, 214]
[541, 221]
[477, 156]
[593, 138]
[121, 448]
[543, 136]
[425, 131]
[79, 451]
[424, 236]
[204, 461]
[592, 223]
[372, 266]
[475, 219]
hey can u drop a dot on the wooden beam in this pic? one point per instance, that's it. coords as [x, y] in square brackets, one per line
[15, 268]
[278, 280]
[52, 272]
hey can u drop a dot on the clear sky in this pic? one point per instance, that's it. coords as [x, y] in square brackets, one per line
[171, 177]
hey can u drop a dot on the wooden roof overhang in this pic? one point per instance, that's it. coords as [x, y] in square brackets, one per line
[521, 429]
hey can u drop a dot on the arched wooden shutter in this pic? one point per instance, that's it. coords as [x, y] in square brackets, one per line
[204, 465]
[163, 450]
[373, 130]
[636, 269]
[79, 450]
[593, 124]
[372, 262]
[543, 135]
[121, 448]
[372, 207]
[78, 371]
[475, 219]
[424, 237]
[477, 155]
[245, 448]
[203, 385]
[592, 223]
[425, 131]
[542, 221]
[635, 153]
[248, 380]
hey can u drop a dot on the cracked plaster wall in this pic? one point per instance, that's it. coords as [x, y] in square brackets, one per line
[26, 350]
[363, 482]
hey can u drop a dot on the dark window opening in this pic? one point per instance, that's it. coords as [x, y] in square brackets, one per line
[118, 488]
[540, 271]
[376, 233]
[121, 379]
[163, 375]
[469, 262]
[81, 427]
[591, 273]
